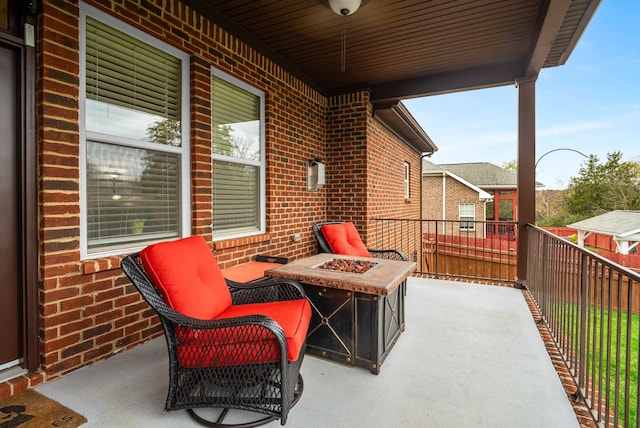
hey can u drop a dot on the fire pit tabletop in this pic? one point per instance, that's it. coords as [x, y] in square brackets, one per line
[382, 279]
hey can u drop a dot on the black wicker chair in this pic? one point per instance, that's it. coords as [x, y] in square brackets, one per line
[231, 362]
[324, 247]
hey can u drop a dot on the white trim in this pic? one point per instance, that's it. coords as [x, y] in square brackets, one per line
[473, 225]
[407, 180]
[184, 151]
[483, 195]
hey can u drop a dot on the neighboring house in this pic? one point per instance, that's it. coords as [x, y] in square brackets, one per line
[487, 190]
[447, 196]
[623, 226]
[497, 181]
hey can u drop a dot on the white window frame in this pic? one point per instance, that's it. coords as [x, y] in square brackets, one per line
[261, 164]
[464, 225]
[183, 151]
[407, 180]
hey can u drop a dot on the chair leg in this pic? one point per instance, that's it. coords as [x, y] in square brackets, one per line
[218, 423]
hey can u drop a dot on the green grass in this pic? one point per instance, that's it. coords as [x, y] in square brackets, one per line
[600, 322]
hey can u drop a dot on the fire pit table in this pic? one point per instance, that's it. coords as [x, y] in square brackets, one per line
[358, 305]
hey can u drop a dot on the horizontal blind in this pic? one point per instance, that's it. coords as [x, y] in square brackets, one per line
[132, 195]
[126, 72]
[235, 197]
[236, 121]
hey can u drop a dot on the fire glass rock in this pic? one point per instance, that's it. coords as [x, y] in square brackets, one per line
[351, 266]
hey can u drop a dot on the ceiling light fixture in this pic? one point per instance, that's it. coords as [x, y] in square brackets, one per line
[344, 7]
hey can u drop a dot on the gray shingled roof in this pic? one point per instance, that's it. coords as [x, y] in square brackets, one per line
[430, 167]
[624, 224]
[481, 174]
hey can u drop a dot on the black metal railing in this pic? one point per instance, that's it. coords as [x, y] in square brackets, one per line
[591, 307]
[482, 251]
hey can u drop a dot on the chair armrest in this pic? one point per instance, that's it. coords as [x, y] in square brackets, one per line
[266, 290]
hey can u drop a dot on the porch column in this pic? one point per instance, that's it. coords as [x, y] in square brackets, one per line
[526, 168]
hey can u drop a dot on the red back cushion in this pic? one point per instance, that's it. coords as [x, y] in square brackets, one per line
[187, 275]
[343, 238]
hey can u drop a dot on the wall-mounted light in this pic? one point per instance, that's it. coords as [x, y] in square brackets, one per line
[344, 7]
[315, 174]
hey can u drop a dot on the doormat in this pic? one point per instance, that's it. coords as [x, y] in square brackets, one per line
[30, 409]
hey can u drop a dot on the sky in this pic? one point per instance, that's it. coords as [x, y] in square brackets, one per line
[590, 104]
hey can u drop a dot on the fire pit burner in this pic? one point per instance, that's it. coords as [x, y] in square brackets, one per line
[351, 266]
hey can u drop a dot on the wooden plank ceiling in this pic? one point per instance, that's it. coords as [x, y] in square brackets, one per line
[406, 48]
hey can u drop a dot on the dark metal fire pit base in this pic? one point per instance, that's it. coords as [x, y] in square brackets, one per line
[356, 318]
[352, 327]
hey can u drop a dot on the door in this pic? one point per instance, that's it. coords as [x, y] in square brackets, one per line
[10, 269]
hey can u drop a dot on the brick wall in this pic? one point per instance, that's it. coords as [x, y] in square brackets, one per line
[88, 310]
[456, 193]
[365, 168]
[432, 197]
[385, 191]
[346, 169]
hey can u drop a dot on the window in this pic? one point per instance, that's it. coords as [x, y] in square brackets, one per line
[406, 180]
[467, 216]
[490, 207]
[134, 138]
[505, 209]
[238, 158]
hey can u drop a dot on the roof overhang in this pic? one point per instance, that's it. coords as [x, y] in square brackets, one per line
[396, 118]
[410, 48]
[482, 195]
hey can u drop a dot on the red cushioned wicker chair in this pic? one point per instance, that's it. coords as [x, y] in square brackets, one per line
[343, 238]
[229, 350]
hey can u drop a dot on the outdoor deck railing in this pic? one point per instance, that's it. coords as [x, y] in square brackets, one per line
[591, 307]
[482, 251]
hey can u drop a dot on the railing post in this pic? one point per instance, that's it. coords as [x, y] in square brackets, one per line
[582, 335]
[437, 250]
[543, 275]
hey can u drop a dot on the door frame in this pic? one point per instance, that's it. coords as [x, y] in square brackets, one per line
[28, 191]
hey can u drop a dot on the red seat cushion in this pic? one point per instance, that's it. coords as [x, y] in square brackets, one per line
[188, 277]
[343, 238]
[250, 343]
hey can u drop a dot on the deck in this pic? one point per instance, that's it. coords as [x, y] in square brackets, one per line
[471, 356]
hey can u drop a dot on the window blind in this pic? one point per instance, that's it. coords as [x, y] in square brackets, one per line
[236, 119]
[235, 197]
[133, 92]
[467, 212]
[126, 72]
[132, 195]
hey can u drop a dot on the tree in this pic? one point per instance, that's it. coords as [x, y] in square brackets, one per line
[166, 131]
[551, 207]
[603, 187]
[510, 166]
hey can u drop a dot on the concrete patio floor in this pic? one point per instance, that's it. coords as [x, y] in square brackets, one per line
[471, 356]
